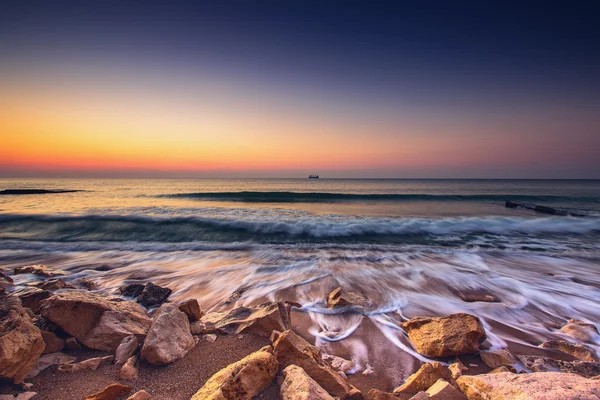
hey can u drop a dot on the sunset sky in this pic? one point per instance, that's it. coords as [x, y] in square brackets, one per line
[284, 89]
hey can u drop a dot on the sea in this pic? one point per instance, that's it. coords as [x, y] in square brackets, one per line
[410, 247]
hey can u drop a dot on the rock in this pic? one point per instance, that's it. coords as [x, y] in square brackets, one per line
[48, 360]
[453, 335]
[88, 284]
[130, 370]
[241, 380]
[39, 270]
[54, 284]
[582, 331]
[5, 280]
[53, 343]
[425, 377]
[169, 336]
[72, 344]
[497, 358]
[500, 370]
[261, 320]
[21, 342]
[339, 298]
[473, 297]
[338, 363]
[210, 337]
[132, 290]
[90, 363]
[375, 394]
[20, 396]
[291, 349]
[32, 298]
[443, 390]
[126, 349]
[297, 385]
[544, 364]
[457, 368]
[94, 320]
[580, 351]
[141, 395]
[536, 386]
[111, 392]
[191, 308]
[153, 295]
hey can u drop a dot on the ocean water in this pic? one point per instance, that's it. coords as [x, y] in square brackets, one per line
[412, 247]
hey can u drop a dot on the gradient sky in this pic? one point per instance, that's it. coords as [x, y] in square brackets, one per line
[283, 89]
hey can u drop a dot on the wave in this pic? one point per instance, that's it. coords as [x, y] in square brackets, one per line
[21, 192]
[320, 229]
[324, 197]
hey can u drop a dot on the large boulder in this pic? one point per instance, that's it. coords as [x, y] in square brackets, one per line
[580, 351]
[291, 349]
[261, 320]
[21, 342]
[94, 320]
[452, 335]
[241, 380]
[536, 386]
[169, 336]
[425, 377]
[297, 385]
[39, 270]
[582, 331]
[544, 364]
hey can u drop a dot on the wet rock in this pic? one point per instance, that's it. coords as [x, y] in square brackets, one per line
[52, 342]
[241, 380]
[425, 377]
[169, 337]
[5, 280]
[48, 360]
[261, 320]
[291, 349]
[21, 342]
[474, 297]
[297, 385]
[132, 290]
[340, 298]
[453, 335]
[126, 349]
[191, 308]
[457, 368]
[582, 331]
[130, 370]
[94, 320]
[32, 298]
[111, 392]
[501, 369]
[443, 390]
[88, 284]
[39, 270]
[90, 363]
[141, 395]
[153, 295]
[544, 364]
[72, 344]
[580, 351]
[536, 386]
[338, 363]
[497, 358]
[54, 284]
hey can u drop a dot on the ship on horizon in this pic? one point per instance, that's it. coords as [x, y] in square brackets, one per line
[313, 177]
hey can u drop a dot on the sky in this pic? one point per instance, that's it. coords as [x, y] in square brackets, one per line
[428, 89]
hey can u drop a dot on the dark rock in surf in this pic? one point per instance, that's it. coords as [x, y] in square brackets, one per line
[153, 295]
[54, 284]
[474, 297]
[582, 331]
[132, 290]
[39, 270]
[88, 284]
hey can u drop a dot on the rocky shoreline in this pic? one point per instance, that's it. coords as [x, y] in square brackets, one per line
[121, 346]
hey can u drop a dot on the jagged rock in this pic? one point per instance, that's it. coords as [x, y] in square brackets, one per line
[501, 369]
[297, 385]
[48, 360]
[141, 395]
[5, 280]
[497, 358]
[88, 284]
[443, 390]
[54, 284]
[536, 386]
[241, 380]
[94, 320]
[580, 351]
[425, 377]
[544, 364]
[72, 344]
[153, 295]
[191, 308]
[130, 370]
[291, 349]
[457, 368]
[375, 394]
[339, 298]
[90, 363]
[582, 331]
[169, 337]
[39, 270]
[32, 298]
[21, 342]
[452, 335]
[111, 392]
[53, 343]
[338, 363]
[126, 349]
[261, 320]
[132, 290]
